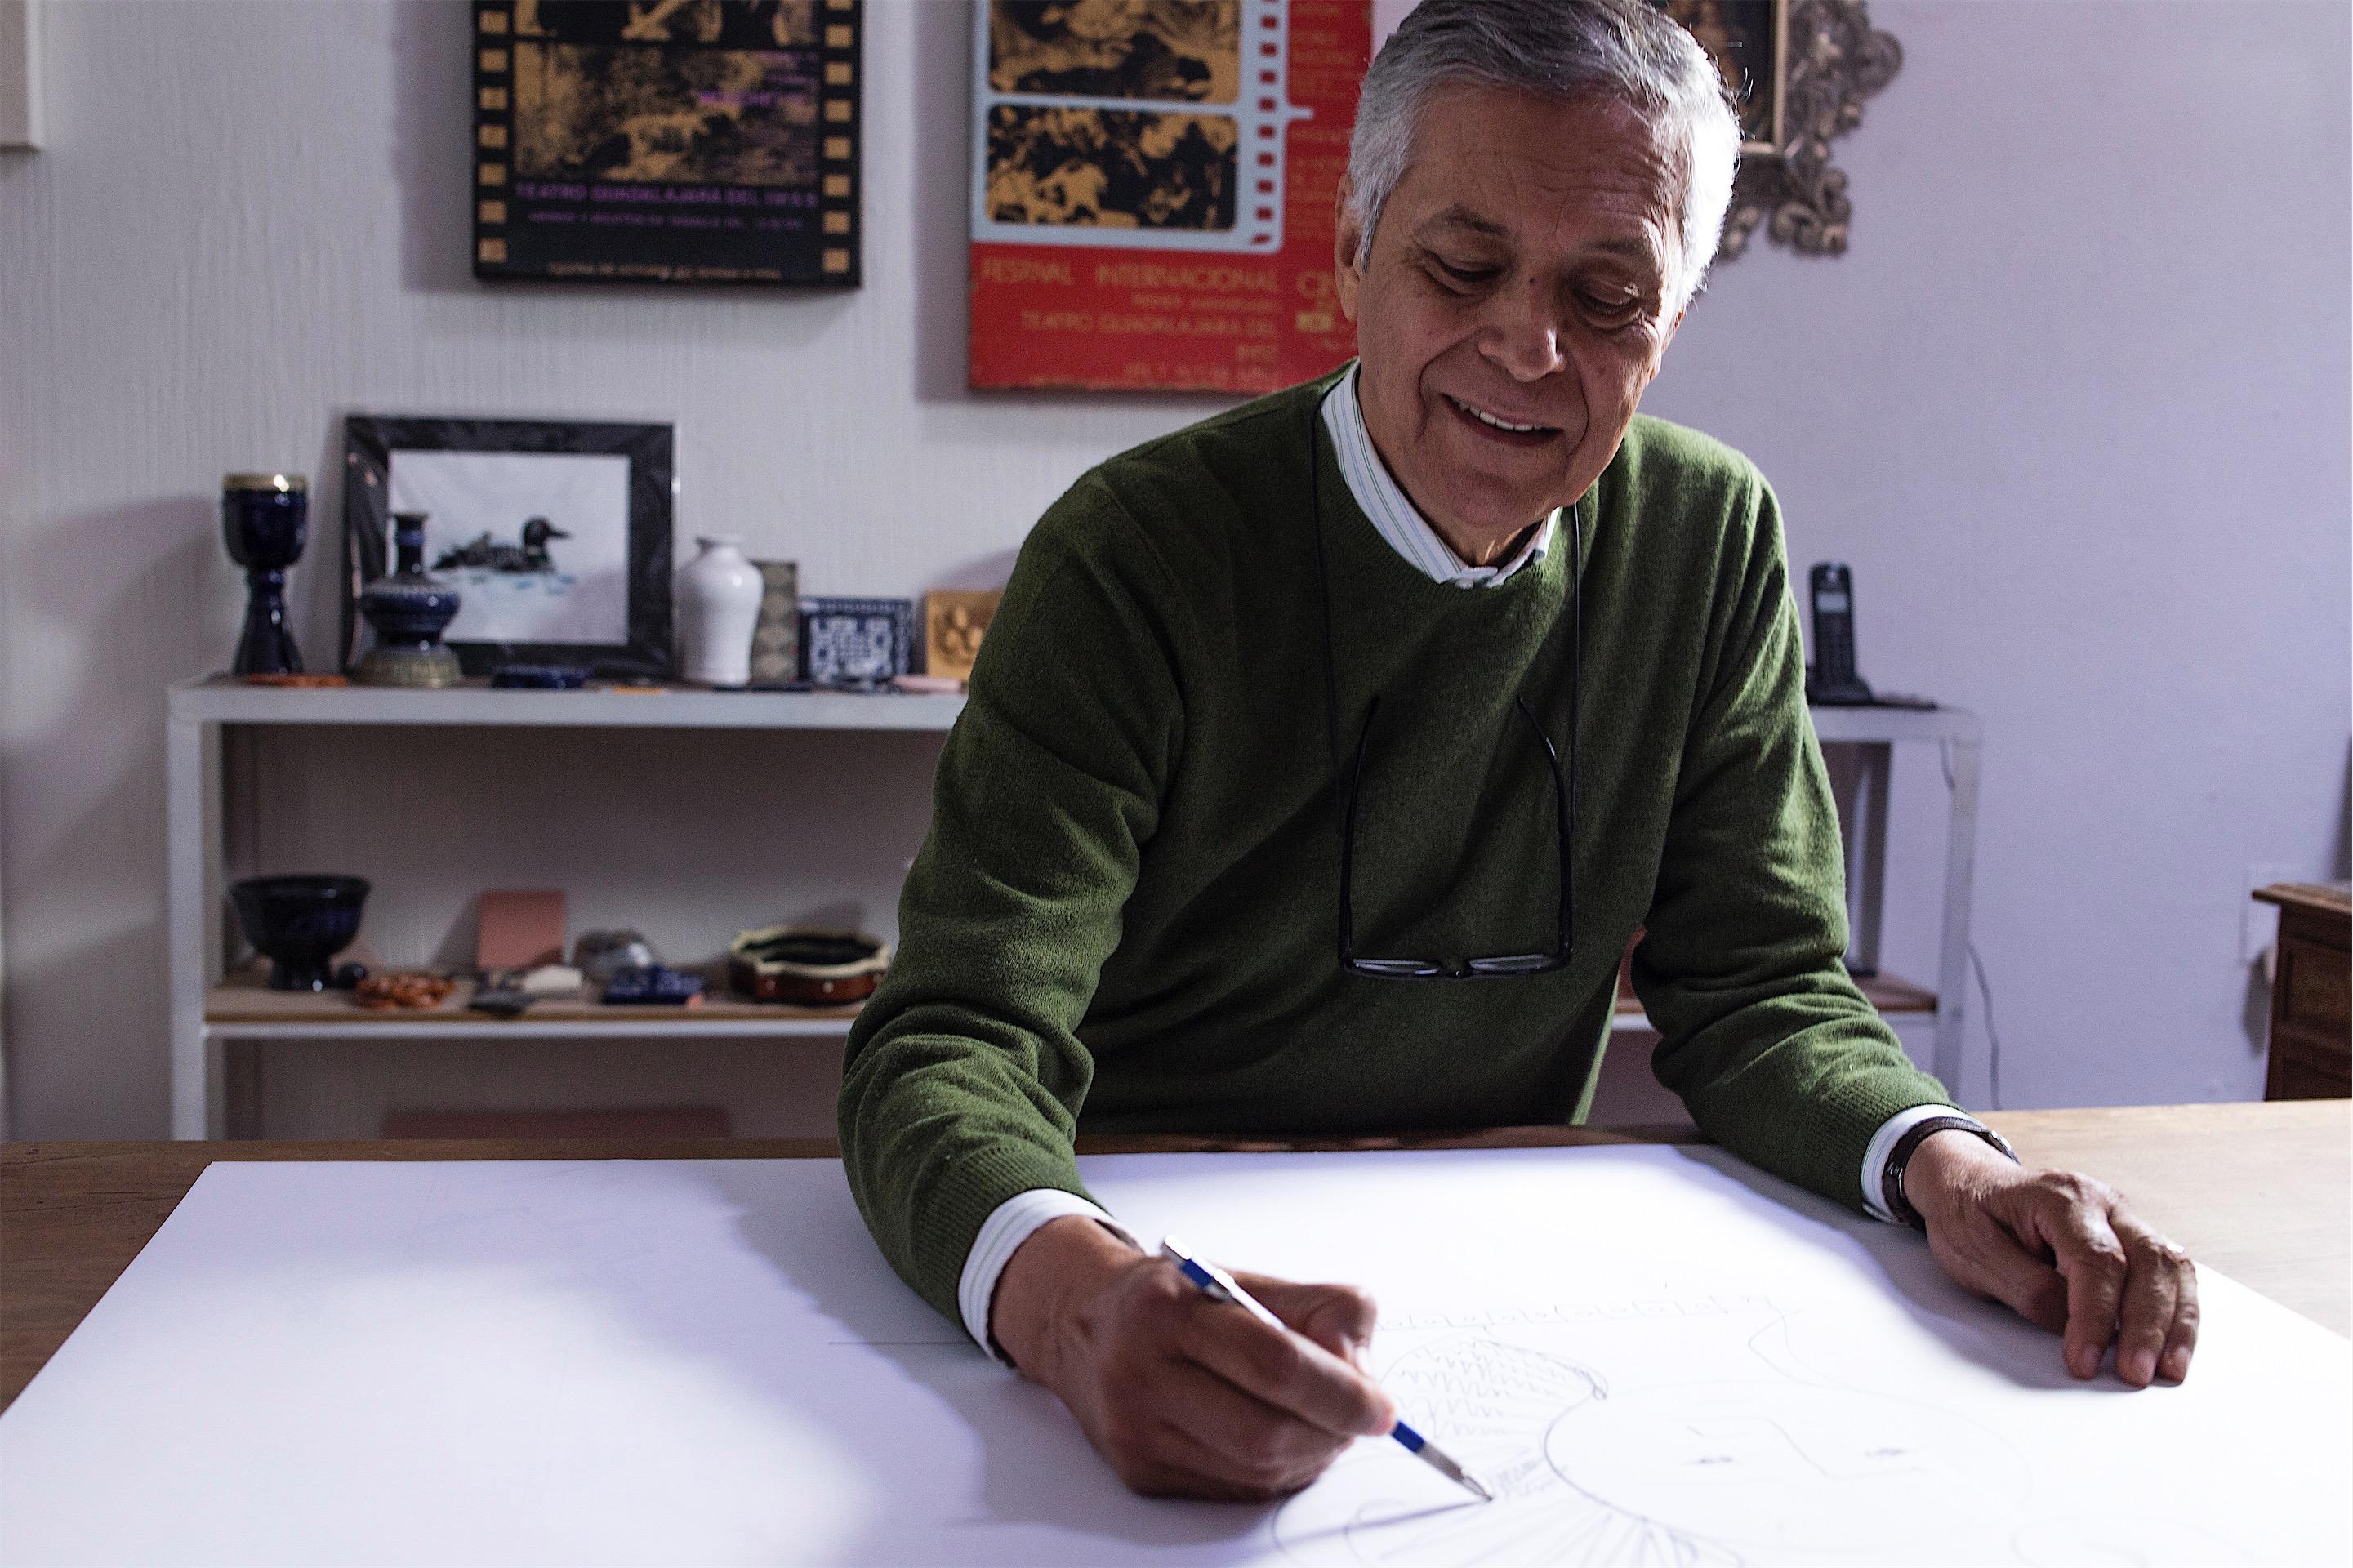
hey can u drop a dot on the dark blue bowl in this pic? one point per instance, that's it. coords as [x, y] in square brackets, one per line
[299, 923]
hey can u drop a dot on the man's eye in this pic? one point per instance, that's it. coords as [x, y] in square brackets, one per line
[1467, 276]
[1611, 308]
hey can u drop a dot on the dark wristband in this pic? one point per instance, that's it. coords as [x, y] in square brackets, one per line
[1891, 1175]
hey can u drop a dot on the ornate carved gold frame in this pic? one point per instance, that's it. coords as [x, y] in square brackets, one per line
[1830, 58]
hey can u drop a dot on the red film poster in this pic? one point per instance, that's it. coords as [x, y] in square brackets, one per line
[1151, 190]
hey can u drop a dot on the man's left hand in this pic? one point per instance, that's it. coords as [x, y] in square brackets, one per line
[2060, 1249]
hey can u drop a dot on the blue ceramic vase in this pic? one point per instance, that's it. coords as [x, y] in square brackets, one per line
[408, 609]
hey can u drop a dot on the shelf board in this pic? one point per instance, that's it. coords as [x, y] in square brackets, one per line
[244, 1009]
[221, 699]
[1865, 725]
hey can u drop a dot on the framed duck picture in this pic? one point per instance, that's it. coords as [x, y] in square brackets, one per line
[555, 534]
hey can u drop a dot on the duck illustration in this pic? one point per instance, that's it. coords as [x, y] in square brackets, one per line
[498, 555]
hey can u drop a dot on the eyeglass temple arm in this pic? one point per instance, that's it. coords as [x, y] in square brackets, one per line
[1566, 797]
[1560, 811]
[1348, 839]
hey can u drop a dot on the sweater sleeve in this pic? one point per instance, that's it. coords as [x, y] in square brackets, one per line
[964, 1073]
[1775, 1053]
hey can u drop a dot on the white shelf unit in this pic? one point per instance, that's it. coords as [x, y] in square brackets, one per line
[1873, 733]
[198, 711]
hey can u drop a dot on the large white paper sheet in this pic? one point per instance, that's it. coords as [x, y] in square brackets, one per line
[1660, 1357]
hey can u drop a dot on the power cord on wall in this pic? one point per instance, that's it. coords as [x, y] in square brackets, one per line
[1993, 1036]
[1985, 986]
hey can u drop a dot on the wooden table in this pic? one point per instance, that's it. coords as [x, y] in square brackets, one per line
[2263, 1191]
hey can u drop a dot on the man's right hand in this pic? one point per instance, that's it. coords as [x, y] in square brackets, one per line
[1184, 1394]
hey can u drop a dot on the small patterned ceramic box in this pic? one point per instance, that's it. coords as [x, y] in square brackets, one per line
[846, 641]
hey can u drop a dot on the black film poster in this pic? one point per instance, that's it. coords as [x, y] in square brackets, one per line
[667, 141]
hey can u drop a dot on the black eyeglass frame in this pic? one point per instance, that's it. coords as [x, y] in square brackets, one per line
[1510, 966]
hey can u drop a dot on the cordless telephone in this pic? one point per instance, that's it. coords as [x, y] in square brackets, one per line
[1832, 681]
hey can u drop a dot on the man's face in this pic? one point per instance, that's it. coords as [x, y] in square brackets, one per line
[1522, 269]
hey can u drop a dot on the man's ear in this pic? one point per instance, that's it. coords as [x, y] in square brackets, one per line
[1673, 327]
[1347, 240]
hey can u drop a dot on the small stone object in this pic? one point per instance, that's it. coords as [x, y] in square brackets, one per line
[550, 980]
[598, 953]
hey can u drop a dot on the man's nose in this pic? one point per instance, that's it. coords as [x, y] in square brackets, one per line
[1522, 334]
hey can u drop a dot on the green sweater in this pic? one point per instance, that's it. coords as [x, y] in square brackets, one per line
[1125, 916]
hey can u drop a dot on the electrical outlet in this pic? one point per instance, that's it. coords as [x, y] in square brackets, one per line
[2259, 923]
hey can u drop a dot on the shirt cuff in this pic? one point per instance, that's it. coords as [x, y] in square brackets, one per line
[1008, 1224]
[1874, 1153]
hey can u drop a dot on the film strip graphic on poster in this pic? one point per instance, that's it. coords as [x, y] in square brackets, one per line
[1153, 183]
[668, 140]
[1167, 132]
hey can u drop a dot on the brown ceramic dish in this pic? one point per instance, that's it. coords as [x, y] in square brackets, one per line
[806, 966]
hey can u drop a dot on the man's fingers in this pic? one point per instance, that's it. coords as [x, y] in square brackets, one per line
[2067, 1252]
[2091, 1258]
[1987, 1258]
[2152, 1293]
[1340, 1318]
[1232, 1434]
[1287, 1371]
[2181, 1340]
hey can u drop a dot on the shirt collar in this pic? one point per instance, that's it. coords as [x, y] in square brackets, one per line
[1394, 516]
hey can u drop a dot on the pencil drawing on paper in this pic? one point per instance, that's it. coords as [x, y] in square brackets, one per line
[1749, 1461]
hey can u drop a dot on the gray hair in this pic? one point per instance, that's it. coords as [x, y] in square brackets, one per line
[1624, 49]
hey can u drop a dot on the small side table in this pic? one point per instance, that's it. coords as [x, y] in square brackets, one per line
[2312, 1012]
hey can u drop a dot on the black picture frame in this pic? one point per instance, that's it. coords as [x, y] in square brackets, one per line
[1749, 42]
[643, 653]
[717, 143]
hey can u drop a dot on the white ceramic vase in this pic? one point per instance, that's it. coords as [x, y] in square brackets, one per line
[718, 595]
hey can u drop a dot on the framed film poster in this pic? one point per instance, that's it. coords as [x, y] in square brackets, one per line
[667, 142]
[1152, 191]
[1749, 42]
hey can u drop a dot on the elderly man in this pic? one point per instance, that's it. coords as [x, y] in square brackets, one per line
[1325, 757]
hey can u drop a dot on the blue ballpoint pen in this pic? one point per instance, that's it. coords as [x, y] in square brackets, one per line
[1216, 1283]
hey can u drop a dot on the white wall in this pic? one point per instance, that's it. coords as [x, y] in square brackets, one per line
[2075, 407]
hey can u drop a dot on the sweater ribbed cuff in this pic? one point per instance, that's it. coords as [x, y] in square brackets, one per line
[948, 1212]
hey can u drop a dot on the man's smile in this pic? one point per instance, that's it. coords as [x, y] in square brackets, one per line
[1496, 427]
